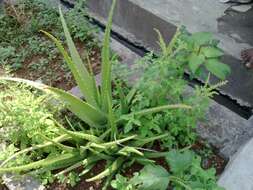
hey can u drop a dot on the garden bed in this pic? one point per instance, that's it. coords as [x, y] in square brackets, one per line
[173, 138]
[27, 53]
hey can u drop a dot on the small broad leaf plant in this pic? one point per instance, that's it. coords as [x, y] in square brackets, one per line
[198, 52]
[121, 126]
[185, 173]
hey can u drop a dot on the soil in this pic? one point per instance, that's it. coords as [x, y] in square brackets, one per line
[55, 73]
[38, 67]
[99, 167]
[210, 159]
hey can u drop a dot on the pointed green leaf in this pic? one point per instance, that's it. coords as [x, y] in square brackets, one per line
[211, 52]
[83, 110]
[60, 161]
[202, 38]
[217, 68]
[61, 138]
[37, 85]
[81, 75]
[106, 63]
[195, 61]
[108, 171]
[160, 109]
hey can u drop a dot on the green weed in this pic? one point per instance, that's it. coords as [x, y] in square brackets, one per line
[185, 173]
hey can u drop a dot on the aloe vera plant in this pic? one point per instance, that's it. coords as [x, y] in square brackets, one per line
[104, 138]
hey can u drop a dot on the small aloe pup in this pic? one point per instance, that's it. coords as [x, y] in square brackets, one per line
[103, 137]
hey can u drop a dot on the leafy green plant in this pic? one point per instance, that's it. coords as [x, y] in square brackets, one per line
[162, 81]
[196, 51]
[25, 115]
[185, 173]
[122, 183]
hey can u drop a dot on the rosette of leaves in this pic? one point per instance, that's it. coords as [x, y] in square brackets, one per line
[103, 137]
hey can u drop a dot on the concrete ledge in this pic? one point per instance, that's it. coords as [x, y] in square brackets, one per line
[238, 173]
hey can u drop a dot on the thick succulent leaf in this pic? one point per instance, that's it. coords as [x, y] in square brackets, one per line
[82, 76]
[152, 177]
[83, 110]
[108, 171]
[37, 85]
[161, 109]
[60, 161]
[106, 63]
[35, 147]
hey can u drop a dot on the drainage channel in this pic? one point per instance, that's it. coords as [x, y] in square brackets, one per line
[222, 99]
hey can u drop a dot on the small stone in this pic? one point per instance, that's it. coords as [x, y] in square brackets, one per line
[21, 183]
